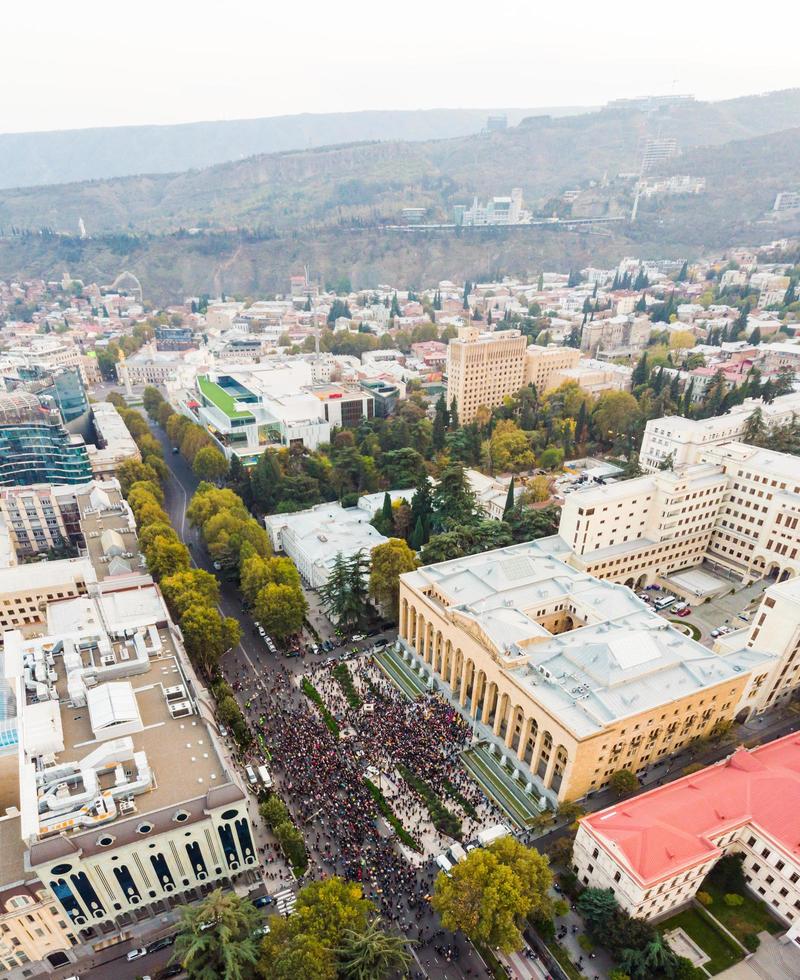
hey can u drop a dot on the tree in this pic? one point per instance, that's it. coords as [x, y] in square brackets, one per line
[615, 414]
[328, 908]
[281, 609]
[152, 400]
[623, 781]
[402, 467]
[132, 471]
[209, 500]
[194, 585]
[640, 372]
[255, 572]
[551, 458]
[167, 557]
[383, 521]
[441, 421]
[388, 562]
[509, 505]
[681, 340]
[453, 499]
[207, 635]
[510, 448]
[287, 955]
[492, 891]
[422, 510]
[210, 464]
[218, 938]
[344, 593]
[371, 953]
[598, 906]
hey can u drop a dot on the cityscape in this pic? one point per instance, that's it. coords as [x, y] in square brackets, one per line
[399, 543]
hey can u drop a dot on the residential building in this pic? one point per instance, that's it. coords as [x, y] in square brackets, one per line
[683, 441]
[35, 446]
[113, 443]
[41, 518]
[484, 368]
[786, 201]
[654, 850]
[657, 152]
[595, 376]
[170, 337]
[313, 538]
[568, 677]
[491, 492]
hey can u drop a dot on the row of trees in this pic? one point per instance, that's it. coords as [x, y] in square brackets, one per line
[195, 444]
[333, 933]
[191, 593]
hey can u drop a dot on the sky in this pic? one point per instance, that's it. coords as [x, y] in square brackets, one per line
[92, 63]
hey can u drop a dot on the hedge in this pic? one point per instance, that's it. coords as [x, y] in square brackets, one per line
[313, 695]
[389, 816]
[342, 675]
[443, 819]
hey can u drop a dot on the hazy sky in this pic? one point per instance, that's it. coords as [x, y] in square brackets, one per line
[92, 63]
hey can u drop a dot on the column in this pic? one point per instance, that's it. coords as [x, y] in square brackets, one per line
[477, 689]
[548, 776]
[523, 737]
[537, 750]
[462, 694]
[491, 695]
[501, 712]
[512, 718]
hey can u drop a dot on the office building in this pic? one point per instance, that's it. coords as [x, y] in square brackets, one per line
[544, 365]
[653, 851]
[484, 368]
[683, 441]
[567, 677]
[35, 446]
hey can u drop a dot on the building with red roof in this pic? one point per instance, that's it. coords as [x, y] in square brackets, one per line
[654, 850]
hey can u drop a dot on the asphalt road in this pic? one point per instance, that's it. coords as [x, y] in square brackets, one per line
[251, 660]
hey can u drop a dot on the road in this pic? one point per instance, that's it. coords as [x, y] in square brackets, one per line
[250, 666]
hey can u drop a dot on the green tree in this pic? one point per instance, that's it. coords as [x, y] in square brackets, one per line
[510, 448]
[281, 609]
[402, 467]
[623, 781]
[422, 509]
[492, 892]
[256, 572]
[371, 953]
[388, 562]
[132, 471]
[383, 521]
[598, 906]
[509, 506]
[152, 400]
[217, 938]
[287, 955]
[344, 593]
[441, 421]
[551, 458]
[194, 585]
[166, 557]
[209, 500]
[453, 499]
[210, 464]
[615, 414]
[207, 635]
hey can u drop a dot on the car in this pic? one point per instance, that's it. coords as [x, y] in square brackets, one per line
[263, 901]
[357, 637]
[251, 775]
[744, 616]
[169, 971]
[263, 930]
[262, 632]
[217, 566]
[175, 450]
[686, 611]
[135, 954]
[314, 648]
[643, 596]
[372, 632]
[162, 943]
[223, 731]
[716, 632]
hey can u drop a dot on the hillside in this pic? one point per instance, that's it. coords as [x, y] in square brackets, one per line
[33, 159]
[369, 183]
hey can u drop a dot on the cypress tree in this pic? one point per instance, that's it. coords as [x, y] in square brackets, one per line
[509, 499]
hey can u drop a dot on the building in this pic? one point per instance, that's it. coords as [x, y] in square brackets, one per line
[738, 510]
[41, 518]
[148, 367]
[484, 368]
[385, 396]
[491, 492]
[683, 441]
[653, 851]
[657, 152]
[496, 211]
[113, 443]
[35, 446]
[248, 408]
[595, 376]
[543, 365]
[170, 337]
[313, 538]
[64, 385]
[567, 677]
[786, 201]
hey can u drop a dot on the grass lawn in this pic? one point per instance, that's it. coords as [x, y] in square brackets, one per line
[711, 940]
[743, 920]
[690, 627]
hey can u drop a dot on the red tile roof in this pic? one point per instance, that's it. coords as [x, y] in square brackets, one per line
[660, 833]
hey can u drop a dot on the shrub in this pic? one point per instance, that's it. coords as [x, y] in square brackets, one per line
[732, 900]
[274, 810]
[443, 819]
[704, 898]
[585, 943]
[560, 907]
[389, 816]
[313, 695]
[292, 845]
[342, 675]
[618, 975]
[752, 942]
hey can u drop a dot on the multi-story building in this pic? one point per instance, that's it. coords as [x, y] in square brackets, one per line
[543, 365]
[113, 444]
[683, 441]
[567, 677]
[737, 509]
[40, 518]
[170, 337]
[35, 446]
[653, 851]
[484, 368]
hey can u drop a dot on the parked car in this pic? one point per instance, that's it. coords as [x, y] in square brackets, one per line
[135, 954]
[251, 775]
[263, 901]
[356, 637]
[686, 611]
[217, 566]
[175, 450]
[643, 596]
[162, 943]
[223, 731]
[261, 631]
[169, 971]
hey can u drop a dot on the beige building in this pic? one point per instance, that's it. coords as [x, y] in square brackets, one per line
[567, 677]
[545, 364]
[653, 851]
[115, 444]
[685, 440]
[484, 368]
[739, 509]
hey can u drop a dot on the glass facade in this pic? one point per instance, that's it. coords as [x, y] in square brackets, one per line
[35, 446]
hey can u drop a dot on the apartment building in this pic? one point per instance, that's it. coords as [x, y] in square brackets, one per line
[40, 518]
[484, 368]
[544, 365]
[653, 851]
[114, 443]
[684, 440]
[568, 678]
[738, 508]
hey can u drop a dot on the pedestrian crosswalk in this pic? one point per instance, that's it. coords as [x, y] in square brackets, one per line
[285, 900]
[520, 967]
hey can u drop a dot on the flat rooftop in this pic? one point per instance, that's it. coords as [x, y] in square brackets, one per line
[619, 657]
[109, 531]
[660, 832]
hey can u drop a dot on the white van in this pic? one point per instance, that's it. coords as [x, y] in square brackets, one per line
[664, 601]
[491, 834]
[457, 852]
[264, 776]
[444, 864]
[251, 775]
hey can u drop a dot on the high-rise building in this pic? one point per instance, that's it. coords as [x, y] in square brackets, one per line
[35, 446]
[484, 368]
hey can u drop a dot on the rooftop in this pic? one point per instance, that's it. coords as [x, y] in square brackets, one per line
[675, 826]
[219, 397]
[614, 657]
